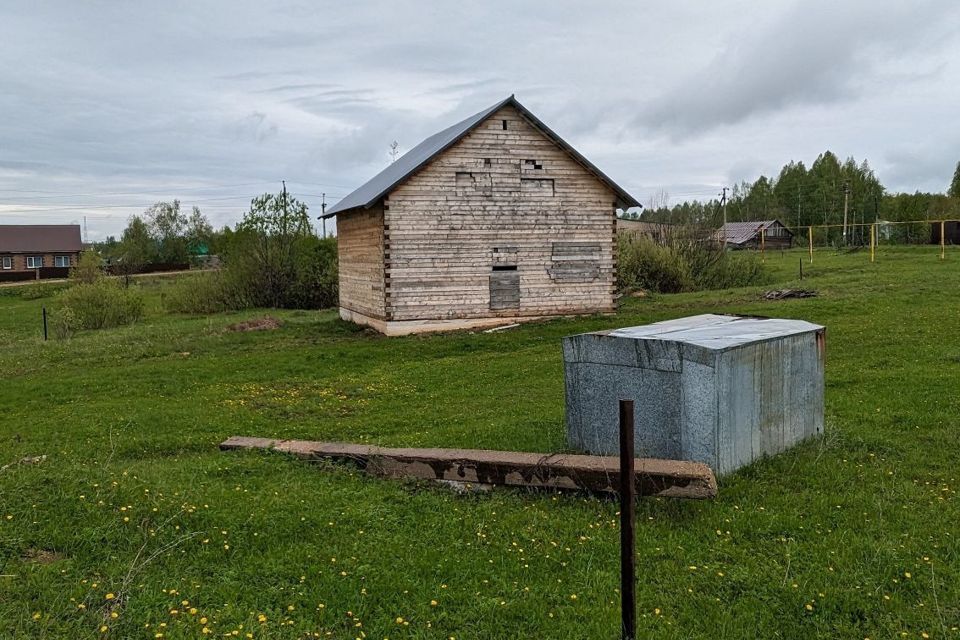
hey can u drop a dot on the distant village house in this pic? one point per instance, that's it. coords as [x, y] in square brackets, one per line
[38, 248]
[768, 234]
[495, 219]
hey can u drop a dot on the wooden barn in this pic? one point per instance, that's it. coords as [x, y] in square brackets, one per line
[950, 229]
[769, 234]
[495, 219]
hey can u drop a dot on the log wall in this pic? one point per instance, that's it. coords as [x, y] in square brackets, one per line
[503, 199]
[360, 235]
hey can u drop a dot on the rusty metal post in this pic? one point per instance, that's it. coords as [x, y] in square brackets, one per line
[628, 557]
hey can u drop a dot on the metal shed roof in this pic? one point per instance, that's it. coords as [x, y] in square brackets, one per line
[412, 161]
[27, 238]
[719, 332]
[740, 232]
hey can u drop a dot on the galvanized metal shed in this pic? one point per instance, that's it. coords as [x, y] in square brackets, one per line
[723, 390]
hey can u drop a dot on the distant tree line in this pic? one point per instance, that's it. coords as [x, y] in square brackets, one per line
[800, 196]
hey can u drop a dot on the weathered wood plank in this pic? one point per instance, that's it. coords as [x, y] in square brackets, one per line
[654, 477]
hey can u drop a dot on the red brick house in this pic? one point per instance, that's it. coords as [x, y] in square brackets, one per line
[32, 247]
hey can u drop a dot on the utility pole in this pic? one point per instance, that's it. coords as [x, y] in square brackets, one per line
[846, 201]
[86, 238]
[799, 206]
[323, 210]
[723, 203]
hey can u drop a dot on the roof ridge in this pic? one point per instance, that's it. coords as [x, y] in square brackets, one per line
[423, 153]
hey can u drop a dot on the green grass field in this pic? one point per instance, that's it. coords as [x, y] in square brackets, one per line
[137, 526]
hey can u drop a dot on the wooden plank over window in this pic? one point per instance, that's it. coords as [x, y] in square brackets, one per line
[575, 262]
[504, 289]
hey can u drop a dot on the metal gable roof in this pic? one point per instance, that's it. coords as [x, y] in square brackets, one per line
[412, 161]
[38, 238]
[740, 232]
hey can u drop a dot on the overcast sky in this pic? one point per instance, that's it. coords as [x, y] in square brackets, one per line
[107, 107]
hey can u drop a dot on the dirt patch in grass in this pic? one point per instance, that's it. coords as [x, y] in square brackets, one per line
[266, 323]
[41, 556]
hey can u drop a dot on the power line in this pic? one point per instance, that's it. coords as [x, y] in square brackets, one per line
[130, 193]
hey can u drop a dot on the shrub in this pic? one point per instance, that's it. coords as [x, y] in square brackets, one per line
[686, 262]
[103, 304]
[36, 291]
[643, 264]
[202, 294]
[62, 323]
[88, 269]
[736, 269]
[273, 259]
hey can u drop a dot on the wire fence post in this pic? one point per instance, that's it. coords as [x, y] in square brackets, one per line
[44, 323]
[943, 240]
[810, 240]
[873, 242]
[628, 490]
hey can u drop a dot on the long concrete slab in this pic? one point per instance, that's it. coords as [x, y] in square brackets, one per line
[654, 477]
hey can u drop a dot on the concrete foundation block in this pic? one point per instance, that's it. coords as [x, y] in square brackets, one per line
[722, 390]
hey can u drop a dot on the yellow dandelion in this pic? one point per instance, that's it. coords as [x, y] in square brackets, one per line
[109, 596]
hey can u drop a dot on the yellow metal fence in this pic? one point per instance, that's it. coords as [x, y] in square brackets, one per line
[868, 229]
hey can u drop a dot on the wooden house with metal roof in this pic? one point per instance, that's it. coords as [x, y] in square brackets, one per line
[756, 234]
[495, 219]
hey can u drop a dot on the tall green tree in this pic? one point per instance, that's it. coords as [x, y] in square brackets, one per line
[954, 190]
[137, 248]
[168, 227]
[276, 259]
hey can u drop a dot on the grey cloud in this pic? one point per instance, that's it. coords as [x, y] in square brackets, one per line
[250, 92]
[817, 53]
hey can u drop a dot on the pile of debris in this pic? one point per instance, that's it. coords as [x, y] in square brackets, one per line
[266, 323]
[780, 294]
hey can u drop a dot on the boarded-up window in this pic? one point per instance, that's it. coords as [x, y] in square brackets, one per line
[504, 279]
[530, 166]
[575, 262]
[537, 186]
[504, 288]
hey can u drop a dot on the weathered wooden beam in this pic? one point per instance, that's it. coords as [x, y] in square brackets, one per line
[654, 477]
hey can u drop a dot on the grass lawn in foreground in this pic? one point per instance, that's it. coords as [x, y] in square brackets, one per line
[136, 525]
